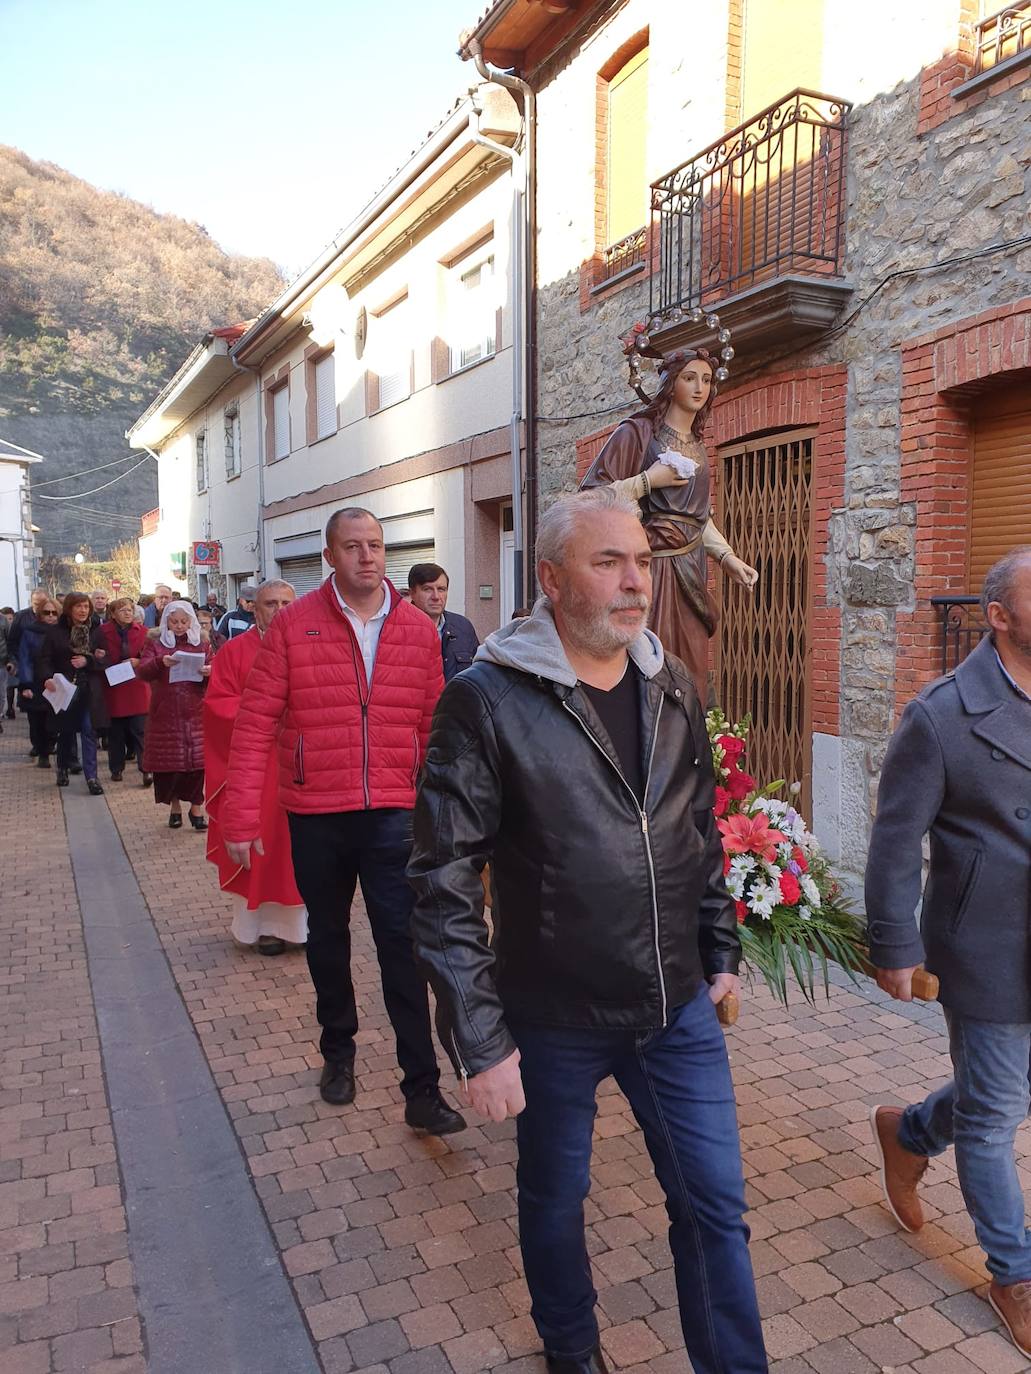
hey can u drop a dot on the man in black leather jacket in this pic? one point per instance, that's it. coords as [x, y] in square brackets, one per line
[573, 755]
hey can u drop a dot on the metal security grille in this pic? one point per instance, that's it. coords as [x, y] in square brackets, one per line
[762, 645]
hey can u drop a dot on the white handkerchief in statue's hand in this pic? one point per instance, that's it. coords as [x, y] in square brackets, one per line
[683, 466]
[120, 672]
[186, 667]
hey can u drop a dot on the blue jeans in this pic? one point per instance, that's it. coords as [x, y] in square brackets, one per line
[677, 1081]
[77, 721]
[979, 1113]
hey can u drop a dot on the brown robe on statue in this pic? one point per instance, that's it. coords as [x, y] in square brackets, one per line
[683, 614]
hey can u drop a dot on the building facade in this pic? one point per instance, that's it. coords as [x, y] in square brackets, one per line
[382, 377]
[846, 188]
[18, 554]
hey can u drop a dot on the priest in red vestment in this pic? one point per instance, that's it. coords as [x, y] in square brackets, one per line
[268, 910]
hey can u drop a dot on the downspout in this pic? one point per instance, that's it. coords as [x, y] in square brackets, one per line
[260, 418]
[521, 159]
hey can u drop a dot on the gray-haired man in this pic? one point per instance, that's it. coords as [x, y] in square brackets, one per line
[959, 769]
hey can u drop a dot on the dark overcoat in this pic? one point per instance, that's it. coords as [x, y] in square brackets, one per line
[959, 769]
[458, 643]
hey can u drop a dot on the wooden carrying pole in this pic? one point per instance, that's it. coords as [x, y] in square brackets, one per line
[925, 989]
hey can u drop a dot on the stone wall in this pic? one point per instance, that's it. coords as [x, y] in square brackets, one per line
[914, 201]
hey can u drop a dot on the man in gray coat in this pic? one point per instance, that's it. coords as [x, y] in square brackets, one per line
[959, 769]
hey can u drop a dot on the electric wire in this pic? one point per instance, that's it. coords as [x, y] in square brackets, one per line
[44, 497]
[82, 472]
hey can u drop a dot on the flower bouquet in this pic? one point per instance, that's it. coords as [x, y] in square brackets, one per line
[791, 911]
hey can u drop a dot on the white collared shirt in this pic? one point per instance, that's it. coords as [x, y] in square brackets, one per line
[367, 632]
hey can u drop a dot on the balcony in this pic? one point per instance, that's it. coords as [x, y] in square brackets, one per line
[754, 226]
[1002, 44]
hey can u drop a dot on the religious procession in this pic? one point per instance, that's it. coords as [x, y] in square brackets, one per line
[535, 874]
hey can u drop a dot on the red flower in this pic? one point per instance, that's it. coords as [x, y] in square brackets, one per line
[739, 785]
[639, 327]
[749, 835]
[726, 864]
[742, 912]
[732, 747]
[800, 859]
[722, 801]
[790, 890]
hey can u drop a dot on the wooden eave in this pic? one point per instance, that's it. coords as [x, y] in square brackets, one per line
[522, 34]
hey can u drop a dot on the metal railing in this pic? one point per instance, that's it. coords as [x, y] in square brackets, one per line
[1003, 35]
[620, 257]
[962, 627]
[766, 199]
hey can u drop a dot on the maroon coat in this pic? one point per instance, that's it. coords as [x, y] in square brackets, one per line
[127, 698]
[174, 741]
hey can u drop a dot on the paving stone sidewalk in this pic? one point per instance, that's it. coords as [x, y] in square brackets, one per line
[403, 1252]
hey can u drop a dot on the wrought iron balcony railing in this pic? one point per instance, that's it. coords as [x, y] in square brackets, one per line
[766, 200]
[621, 257]
[1003, 35]
[962, 627]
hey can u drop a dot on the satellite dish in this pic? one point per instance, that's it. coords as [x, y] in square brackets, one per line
[361, 331]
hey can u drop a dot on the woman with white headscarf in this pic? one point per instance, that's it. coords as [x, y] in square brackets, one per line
[174, 747]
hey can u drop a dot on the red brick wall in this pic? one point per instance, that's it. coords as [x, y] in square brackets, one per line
[813, 398]
[588, 448]
[940, 373]
[938, 81]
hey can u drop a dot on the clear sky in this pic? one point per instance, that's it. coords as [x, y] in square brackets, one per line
[270, 122]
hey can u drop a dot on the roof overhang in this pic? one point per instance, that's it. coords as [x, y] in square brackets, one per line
[447, 163]
[204, 372]
[521, 34]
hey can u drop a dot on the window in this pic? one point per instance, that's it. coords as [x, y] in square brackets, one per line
[232, 441]
[626, 179]
[202, 461]
[473, 311]
[325, 397]
[281, 422]
[393, 353]
[401, 557]
[1000, 480]
[780, 56]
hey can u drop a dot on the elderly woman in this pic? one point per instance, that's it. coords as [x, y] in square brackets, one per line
[72, 649]
[173, 750]
[127, 702]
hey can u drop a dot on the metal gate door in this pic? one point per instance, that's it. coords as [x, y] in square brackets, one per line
[762, 642]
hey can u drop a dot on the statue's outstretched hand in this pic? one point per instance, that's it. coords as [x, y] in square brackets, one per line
[740, 571]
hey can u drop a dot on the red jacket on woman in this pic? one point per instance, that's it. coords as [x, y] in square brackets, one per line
[343, 744]
[174, 742]
[127, 698]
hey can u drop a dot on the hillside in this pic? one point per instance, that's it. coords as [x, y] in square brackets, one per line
[101, 298]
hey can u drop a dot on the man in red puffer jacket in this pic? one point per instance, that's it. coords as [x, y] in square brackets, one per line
[343, 687]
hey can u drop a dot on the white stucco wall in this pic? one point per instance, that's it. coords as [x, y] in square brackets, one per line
[16, 546]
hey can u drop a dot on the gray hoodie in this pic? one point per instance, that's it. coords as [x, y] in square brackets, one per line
[532, 646]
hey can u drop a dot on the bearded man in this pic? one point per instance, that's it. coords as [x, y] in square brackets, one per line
[573, 755]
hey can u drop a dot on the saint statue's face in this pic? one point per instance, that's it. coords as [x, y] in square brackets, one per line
[693, 386]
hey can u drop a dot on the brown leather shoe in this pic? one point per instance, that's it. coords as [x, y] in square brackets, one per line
[901, 1171]
[1013, 1303]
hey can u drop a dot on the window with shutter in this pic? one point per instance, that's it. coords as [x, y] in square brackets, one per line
[281, 422]
[325, 397]
[473, 312]
[303, 574]
[232, 442]
[401, 557]
[202, 462]
[1000, 482]
[626, 179]
[393, 352]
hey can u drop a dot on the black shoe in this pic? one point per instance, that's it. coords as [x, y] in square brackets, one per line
[175, 821]
[337, 1083]
[268, 944]
[198, 822]
[75, 768]
[116, 777]
[429, 1114]
[43, 761]
[62, 777]
[566, 1364]
[148, 780]
[10, 713]
[33, 752]
[94, 788]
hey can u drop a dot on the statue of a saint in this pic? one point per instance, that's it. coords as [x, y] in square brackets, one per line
[657, 457]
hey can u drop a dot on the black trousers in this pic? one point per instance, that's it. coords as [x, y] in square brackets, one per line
[331, 854]
[43, 731]
[122, 731]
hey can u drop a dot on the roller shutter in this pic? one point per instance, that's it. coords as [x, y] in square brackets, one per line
[304, 574]
[1000, 486]
[400, 558]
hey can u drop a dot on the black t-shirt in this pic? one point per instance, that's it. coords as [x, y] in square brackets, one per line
[620, 714]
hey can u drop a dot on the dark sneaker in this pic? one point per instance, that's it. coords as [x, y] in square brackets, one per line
[147, 780]
[1013, 1303]
[337, 1083]
[94, 788]
[43, 761]
[75, 768]
[62, 777]
[429, 1114]
[268, 944]
[116, 777]
[571, 1364]
[901, 1171]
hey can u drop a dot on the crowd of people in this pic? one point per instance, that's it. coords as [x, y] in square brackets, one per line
[361, 735]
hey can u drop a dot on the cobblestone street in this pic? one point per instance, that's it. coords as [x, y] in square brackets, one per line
[402, 1253]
